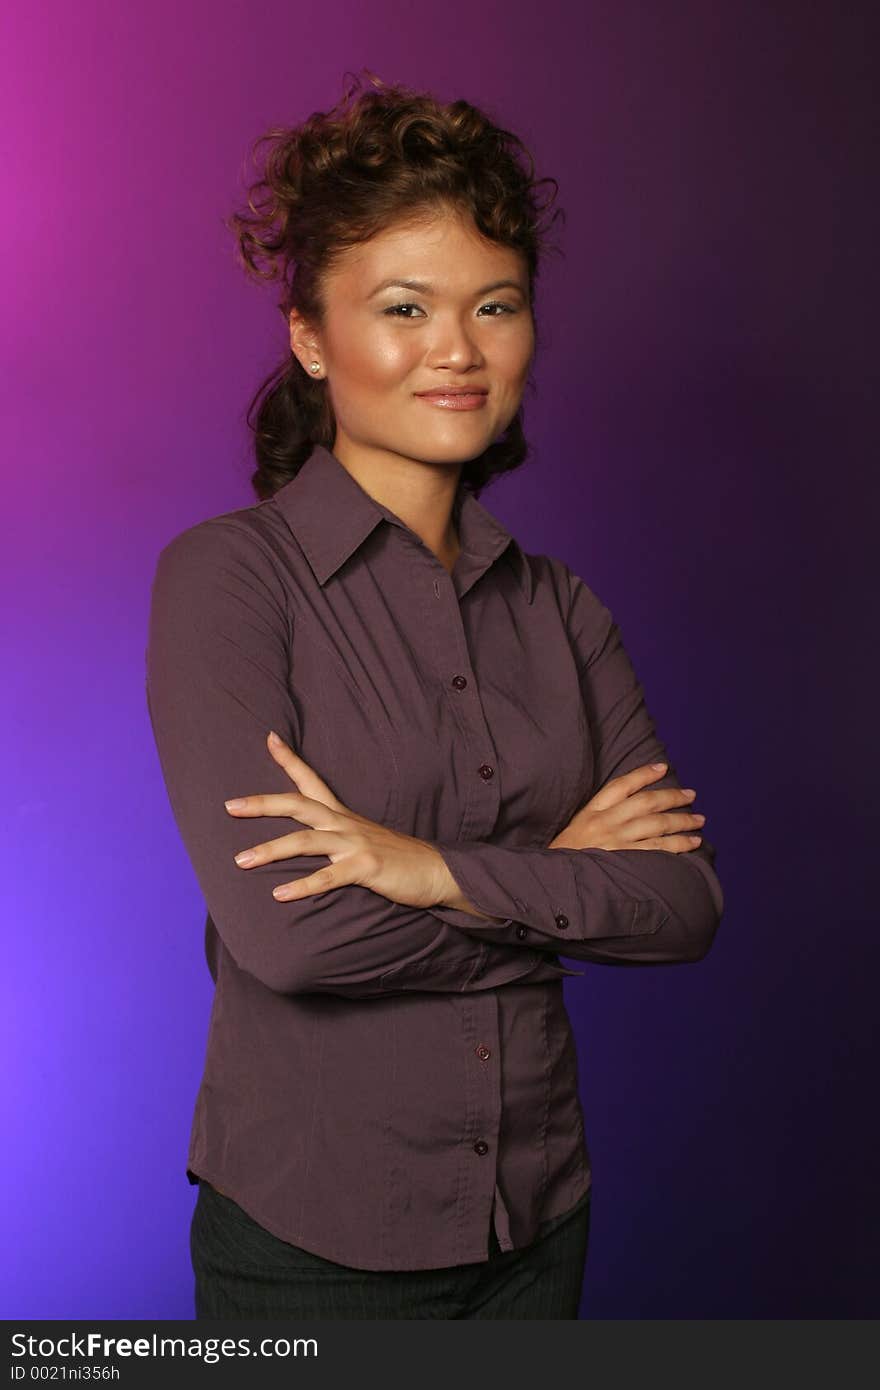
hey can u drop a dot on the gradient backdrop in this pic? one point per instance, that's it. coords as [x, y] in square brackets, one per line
[710, 346]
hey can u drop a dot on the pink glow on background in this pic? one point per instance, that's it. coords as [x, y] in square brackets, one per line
[705, 443]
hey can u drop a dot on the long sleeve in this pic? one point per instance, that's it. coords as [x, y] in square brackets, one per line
[217, 679]
[638, 907]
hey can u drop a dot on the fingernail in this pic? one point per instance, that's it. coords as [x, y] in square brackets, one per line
[236, 804]
[658, 766]
[273, 737]
[247, 856]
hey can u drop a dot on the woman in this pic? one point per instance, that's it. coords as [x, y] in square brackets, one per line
[389, 1122]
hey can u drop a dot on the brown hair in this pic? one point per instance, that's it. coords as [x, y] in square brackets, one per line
[382, 154]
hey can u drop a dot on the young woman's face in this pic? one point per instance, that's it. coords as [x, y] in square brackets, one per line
[381, 346]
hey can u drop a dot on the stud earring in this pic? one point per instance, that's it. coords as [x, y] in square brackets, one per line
[314, 366]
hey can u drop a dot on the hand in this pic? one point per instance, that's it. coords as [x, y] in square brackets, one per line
[400, 867]
[623, 816]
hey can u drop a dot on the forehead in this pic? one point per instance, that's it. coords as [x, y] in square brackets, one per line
[445, 249]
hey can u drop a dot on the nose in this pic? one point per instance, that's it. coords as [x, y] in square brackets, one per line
[454, 347]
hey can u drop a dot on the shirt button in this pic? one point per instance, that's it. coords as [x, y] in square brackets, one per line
[483, 1052]
[481, 1147]
[561, 921]
[486, 771]
[521, 931]
[459, 682]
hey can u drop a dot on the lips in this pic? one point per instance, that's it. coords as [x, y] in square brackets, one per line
[452, 399]
[455, 391]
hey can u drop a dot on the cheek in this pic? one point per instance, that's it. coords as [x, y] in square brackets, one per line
[373, 359]
[513, 358]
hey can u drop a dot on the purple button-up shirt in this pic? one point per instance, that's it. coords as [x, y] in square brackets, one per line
[383, 1083]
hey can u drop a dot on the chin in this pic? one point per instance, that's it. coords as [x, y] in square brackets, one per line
[452, 457]
[452, 445]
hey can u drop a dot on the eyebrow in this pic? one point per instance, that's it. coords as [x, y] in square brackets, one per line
[421, 287]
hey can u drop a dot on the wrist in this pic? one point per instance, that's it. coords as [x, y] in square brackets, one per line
[445, 891]
[448, 893]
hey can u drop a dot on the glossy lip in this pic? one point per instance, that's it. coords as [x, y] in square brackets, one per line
[454, 391]
[455, 397]
[457, 402]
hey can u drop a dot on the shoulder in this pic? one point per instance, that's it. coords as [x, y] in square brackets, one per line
[245, 531]
[235, 551]
[574, 596]
[588, 621]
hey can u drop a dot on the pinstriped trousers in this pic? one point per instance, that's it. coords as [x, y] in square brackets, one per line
[243, 1271]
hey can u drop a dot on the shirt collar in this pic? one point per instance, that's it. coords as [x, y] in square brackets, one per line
[331, 515]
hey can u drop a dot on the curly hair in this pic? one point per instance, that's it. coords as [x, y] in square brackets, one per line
[383, 154]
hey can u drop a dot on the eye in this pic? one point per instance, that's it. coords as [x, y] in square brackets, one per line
[394, 309]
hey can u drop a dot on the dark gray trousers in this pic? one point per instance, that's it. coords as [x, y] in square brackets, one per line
[243, 1271]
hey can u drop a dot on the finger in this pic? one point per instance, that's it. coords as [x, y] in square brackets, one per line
[629, 828]
[293, 804]
[321, 881]
[619, 788]
[646, 800]
[298, 843]
[640, 821]
[673, 844]
[643, 827]
[299, 771]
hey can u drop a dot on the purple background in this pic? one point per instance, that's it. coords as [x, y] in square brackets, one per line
[706, 447]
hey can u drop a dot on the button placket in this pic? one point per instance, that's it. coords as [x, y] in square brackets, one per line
[479, 814]
[480, 1023]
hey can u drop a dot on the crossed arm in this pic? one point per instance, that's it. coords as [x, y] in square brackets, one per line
[217, 679]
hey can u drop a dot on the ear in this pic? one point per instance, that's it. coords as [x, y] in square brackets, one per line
[305, 343]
